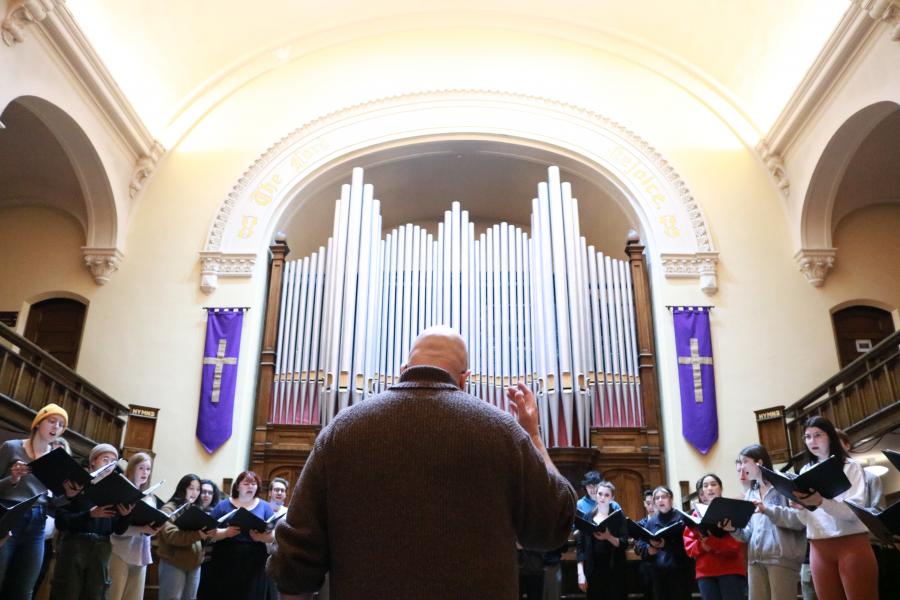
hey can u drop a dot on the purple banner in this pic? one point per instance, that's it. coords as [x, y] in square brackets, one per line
[220, 363]
[696, 381]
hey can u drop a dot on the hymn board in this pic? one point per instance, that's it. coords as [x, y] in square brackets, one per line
[544, 308]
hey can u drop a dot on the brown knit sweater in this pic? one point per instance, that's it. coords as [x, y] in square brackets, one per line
[420, 492]
[182, 549]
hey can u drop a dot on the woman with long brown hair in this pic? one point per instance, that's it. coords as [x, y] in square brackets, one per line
[842, 561]
[131, 549]
[775, 538]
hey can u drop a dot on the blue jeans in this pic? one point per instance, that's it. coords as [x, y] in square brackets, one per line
[723, 587]
[175, 584]
[21, 556]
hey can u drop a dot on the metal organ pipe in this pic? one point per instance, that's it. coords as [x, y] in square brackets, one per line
[543, 308]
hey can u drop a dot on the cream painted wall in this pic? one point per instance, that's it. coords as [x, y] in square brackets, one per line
[144, 336]
[41, 257]
[868, 264]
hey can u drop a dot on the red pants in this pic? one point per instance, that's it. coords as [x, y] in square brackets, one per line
[844, 568]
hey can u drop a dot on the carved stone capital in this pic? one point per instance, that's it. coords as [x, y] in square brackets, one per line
[144, 167]
[22, 13]
[102, 262]
[219, 264]
[775, 165]
[700, 265]
[815, 263]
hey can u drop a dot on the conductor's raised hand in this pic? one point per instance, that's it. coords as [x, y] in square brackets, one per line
[524, 407]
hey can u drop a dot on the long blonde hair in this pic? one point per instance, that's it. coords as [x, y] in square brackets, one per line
[133, 463]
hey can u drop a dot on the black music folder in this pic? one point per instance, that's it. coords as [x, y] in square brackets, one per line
[53, 468]
[614, 522]
[10, 517]
[116, 489]
[827, 478]
[719, 509]
[247, 521]
[669, 532]
[884, 525]
[894, 457]
[144, 514]
[194, 519]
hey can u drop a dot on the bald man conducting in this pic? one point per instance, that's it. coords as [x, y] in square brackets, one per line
[423, 491]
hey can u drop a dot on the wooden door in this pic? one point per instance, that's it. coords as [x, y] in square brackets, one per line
[56, 326]
[857, 329]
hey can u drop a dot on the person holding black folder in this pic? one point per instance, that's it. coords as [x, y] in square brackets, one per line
[719, 562]
[842, 562]
[209, 499]
[672, 571]
[775, 536]
[82, 563]
[238, 567]
[180, 552]
[22, 555]
[131, 549]
[601, 555]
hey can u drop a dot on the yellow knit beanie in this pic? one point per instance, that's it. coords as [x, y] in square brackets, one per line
[50, 410]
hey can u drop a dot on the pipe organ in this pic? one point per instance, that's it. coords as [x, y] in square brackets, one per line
[541, 307]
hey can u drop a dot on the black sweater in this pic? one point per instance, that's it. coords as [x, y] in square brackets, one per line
[75, 517]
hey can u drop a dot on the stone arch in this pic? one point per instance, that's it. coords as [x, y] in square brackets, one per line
[672, 221]
[101, 223]
[816, 253]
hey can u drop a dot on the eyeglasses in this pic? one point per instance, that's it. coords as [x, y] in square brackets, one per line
[206, 492]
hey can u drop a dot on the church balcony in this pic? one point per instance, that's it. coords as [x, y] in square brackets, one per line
[863, 399]
[31, 378]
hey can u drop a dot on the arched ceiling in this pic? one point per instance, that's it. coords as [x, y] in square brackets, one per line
[171, 57]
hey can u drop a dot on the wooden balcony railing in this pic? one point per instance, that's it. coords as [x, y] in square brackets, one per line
[31, 378]
[863, 398]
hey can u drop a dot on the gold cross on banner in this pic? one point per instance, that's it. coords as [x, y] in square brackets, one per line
[695, 360]
[220, 361]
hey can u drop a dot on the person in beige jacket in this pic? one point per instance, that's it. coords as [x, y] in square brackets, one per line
[180, 552]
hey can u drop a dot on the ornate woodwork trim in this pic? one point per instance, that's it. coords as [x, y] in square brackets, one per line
[268, 439]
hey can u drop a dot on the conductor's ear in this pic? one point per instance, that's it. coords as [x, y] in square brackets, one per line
[403, 368]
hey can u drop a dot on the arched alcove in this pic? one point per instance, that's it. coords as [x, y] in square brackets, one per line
[857, 168]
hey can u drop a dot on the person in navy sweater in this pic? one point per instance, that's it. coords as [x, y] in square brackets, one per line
[671, 570]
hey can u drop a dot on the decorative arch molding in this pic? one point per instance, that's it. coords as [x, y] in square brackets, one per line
[100, 252]
[671, 218]
[817, 255]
